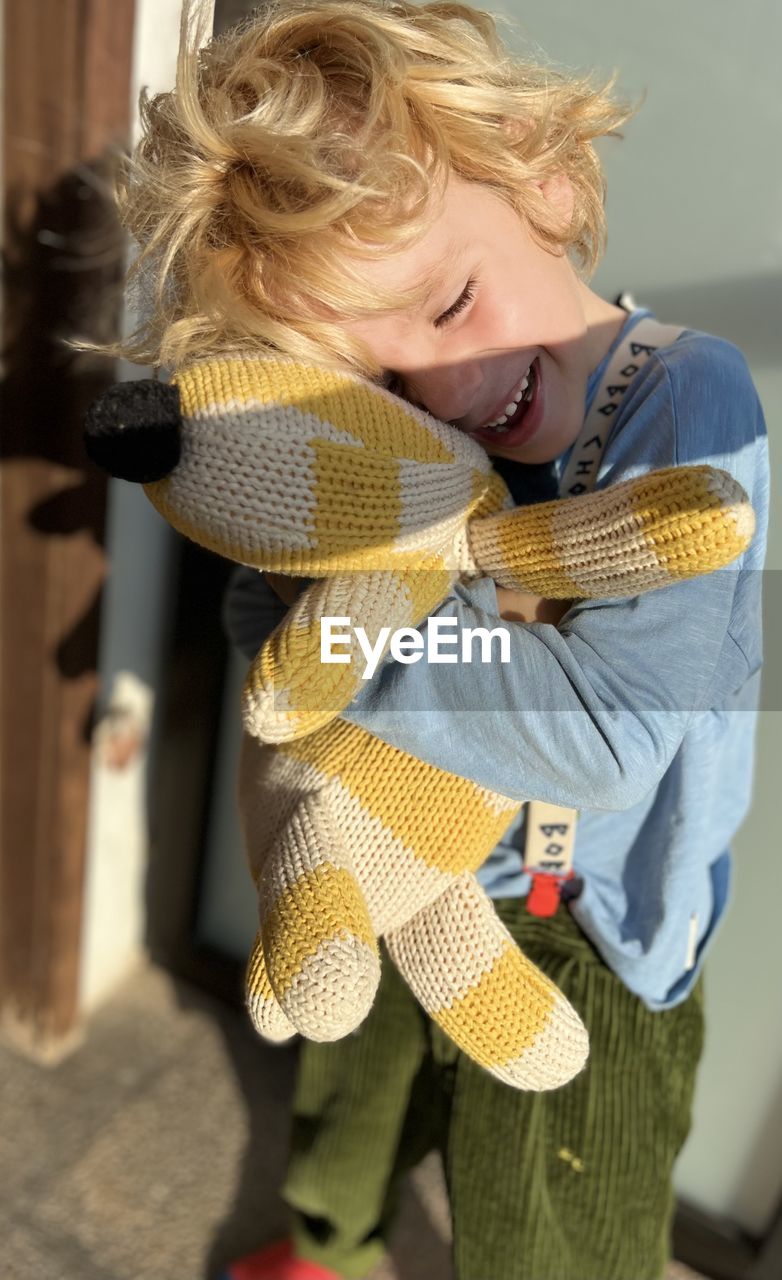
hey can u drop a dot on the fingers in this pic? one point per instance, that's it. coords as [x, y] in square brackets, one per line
[288, 589]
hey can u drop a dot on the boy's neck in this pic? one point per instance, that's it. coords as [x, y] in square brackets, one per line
[604, 323]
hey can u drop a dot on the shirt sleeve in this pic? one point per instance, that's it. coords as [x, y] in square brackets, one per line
[591, 713]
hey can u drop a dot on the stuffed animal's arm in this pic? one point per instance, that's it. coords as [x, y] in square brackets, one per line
[641, 534]
[290, 690]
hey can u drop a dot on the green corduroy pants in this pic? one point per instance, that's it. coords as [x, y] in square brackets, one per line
[573, 1184]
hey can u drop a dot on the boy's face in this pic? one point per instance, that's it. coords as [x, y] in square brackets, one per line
[501, 309]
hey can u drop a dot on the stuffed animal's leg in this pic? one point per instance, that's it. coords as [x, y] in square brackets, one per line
[255, 802]
[321, 952]
[634, 536]
[263, 1007]
[465, 969]
[290, 691]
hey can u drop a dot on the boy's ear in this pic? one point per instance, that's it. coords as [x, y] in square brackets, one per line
[558, 192]
[558, 189]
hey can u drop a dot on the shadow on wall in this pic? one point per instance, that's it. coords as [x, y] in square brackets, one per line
[747, 311]
[61, 269]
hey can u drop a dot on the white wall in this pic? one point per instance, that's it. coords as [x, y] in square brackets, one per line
[694, 203]
[134, 630]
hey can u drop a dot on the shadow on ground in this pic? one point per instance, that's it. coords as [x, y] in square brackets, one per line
[157, 1148]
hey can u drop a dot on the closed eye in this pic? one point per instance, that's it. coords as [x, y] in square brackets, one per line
[461, 302]
[391, 381]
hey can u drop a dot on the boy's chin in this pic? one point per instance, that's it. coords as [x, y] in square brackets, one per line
[521, 453]
[545, 446]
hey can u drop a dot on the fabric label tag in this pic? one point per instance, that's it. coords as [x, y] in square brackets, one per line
[551, 835]
[692, 944]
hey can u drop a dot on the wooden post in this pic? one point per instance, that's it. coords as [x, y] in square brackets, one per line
[67, 99]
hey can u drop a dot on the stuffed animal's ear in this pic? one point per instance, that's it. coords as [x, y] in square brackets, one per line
[133, 430]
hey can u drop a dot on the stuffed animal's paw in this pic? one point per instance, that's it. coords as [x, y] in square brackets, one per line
[266, 1013]
[465, 969]
[321, 953]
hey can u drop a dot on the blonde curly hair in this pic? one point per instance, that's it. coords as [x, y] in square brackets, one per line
[312, 136]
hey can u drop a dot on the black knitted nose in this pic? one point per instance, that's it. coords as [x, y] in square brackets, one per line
[132, 430]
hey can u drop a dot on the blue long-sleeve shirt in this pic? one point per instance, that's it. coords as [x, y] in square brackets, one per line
[639, 712]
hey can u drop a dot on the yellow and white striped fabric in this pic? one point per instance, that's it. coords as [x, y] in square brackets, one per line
[303, 471]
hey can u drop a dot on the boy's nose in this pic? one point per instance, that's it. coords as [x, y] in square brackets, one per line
[133, 430]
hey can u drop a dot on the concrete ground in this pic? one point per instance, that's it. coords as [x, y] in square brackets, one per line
[154, 1151]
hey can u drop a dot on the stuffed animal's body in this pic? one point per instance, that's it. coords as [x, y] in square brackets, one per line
[308, 472]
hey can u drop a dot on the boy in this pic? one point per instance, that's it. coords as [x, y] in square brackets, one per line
[381, 186]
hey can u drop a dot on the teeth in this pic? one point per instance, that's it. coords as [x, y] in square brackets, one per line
[523, 392]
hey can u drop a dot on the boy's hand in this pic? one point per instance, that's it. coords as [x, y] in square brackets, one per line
[288, 589]
[513, 606]
[522, 606]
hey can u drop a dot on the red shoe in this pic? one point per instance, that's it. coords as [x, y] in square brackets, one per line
[276, 1262]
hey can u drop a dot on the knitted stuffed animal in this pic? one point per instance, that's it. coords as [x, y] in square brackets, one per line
[315, 473]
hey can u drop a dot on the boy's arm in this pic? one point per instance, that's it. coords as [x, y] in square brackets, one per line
[590, 714]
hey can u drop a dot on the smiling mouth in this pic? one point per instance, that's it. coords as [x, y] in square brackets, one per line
[518, 403]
